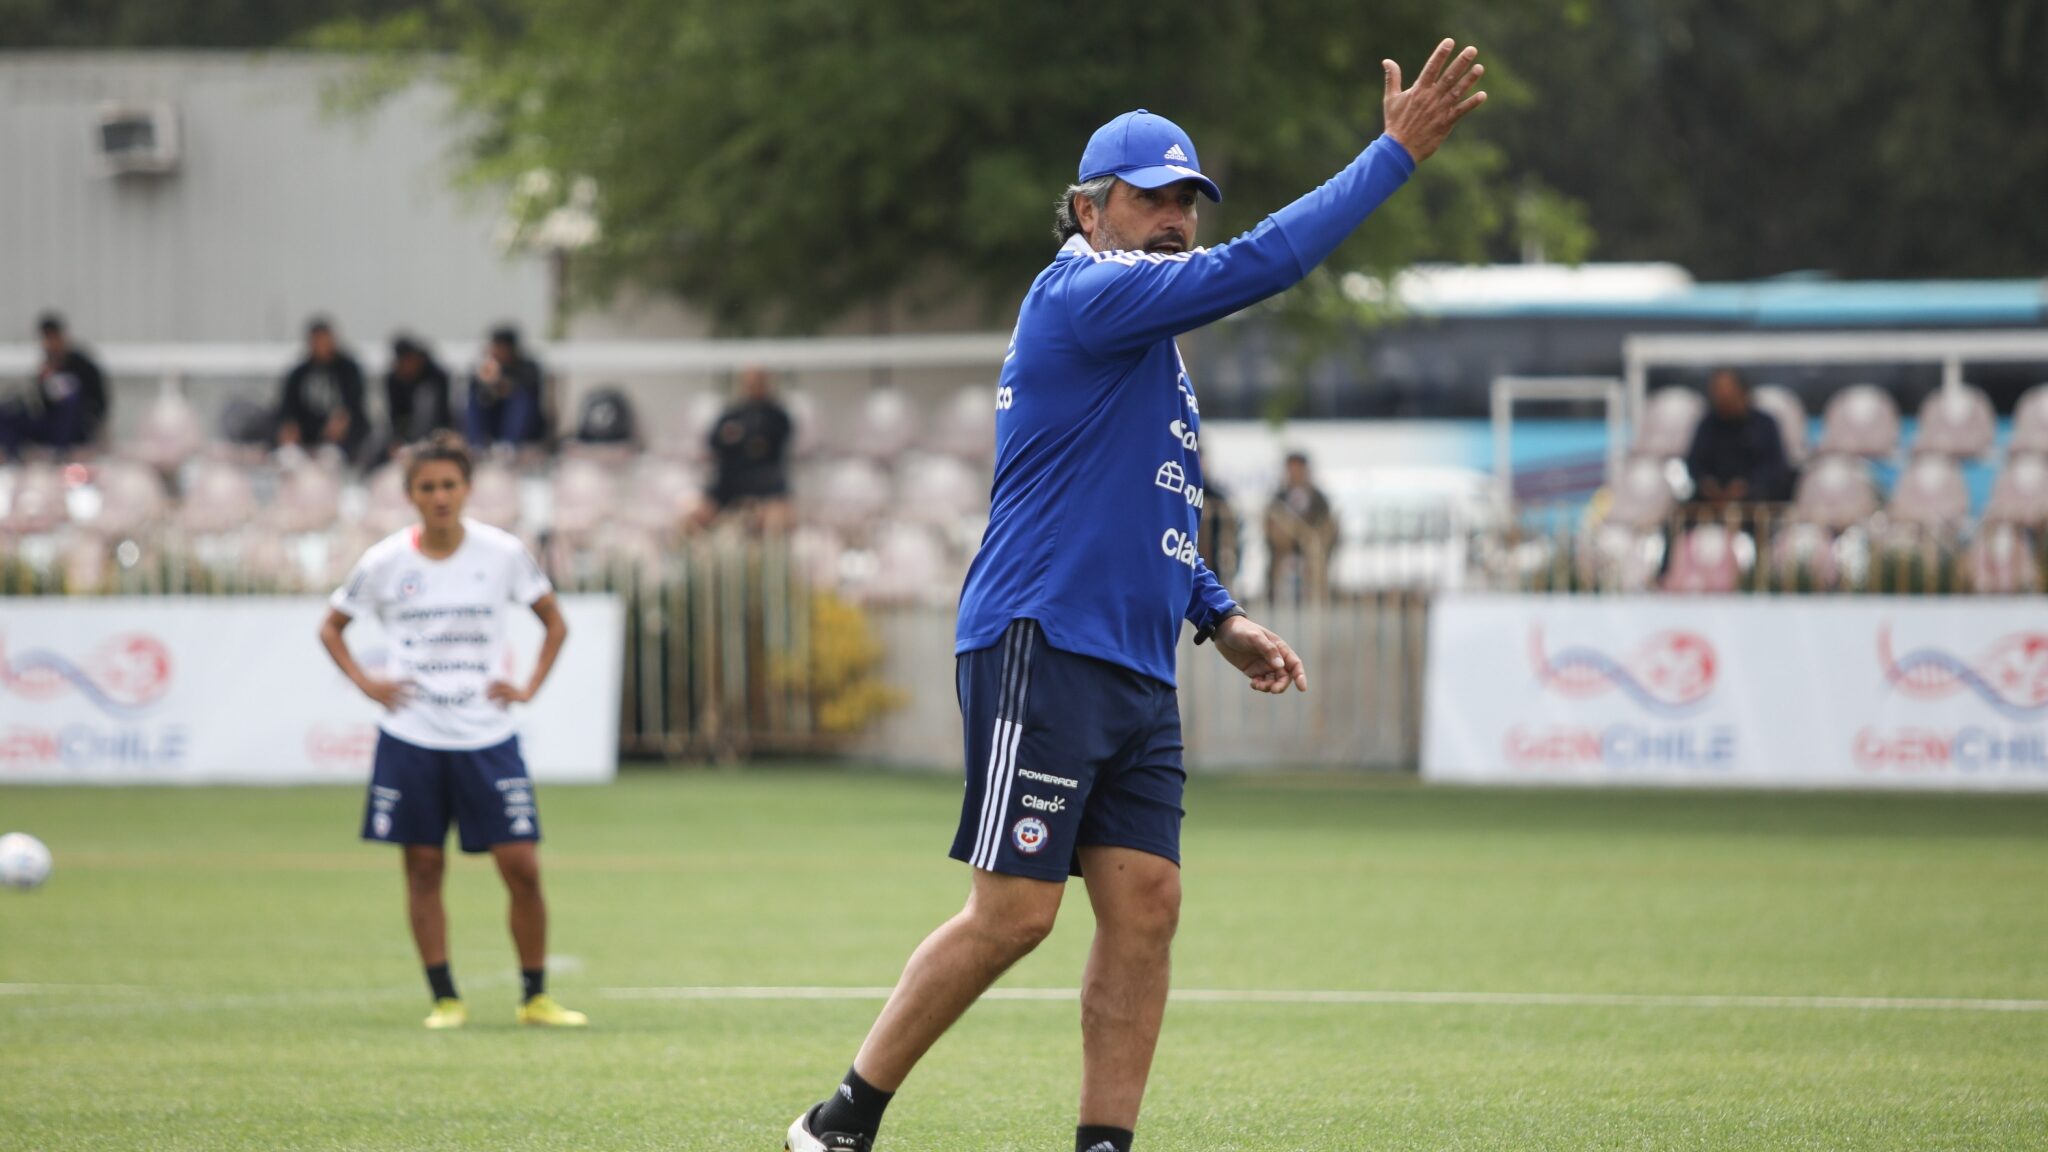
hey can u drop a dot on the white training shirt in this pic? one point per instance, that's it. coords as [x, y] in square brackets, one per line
[444, 621]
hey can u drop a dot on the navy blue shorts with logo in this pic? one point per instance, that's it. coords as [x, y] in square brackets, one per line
[1064, 752]
[415, 791]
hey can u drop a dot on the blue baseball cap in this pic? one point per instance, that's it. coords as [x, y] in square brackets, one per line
[1147, 151]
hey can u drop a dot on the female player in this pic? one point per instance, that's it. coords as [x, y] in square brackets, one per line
[446, 747]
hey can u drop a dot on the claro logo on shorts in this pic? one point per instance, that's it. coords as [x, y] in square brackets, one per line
[1042, 778]
[1041, 804]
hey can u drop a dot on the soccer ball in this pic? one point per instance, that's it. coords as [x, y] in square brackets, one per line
[24, 861]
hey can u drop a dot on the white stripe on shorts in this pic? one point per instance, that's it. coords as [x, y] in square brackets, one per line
[1003, 742]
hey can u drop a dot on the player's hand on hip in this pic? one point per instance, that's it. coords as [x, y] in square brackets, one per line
[1261, 655]
[505, 693]
[1423, 116]
[390, 694]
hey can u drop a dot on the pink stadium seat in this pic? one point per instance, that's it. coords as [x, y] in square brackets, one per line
[307, 499]
[37, 504]
[966, 424]
[1804, 553]
[887, 424]
[132, 499]
[851, 493]
[218, 499]
[170, 432]
[2020, 494]
[805, 437]
[2002, 561]
[910, 565]
[699, 414]
[1782, 405]
[389, 509]
[585, 497]
[1931, 495]
[665, 495]
[1861, 420]
[2030, 422]
[1642, 497]
[494, 496]
[1669, 417]
[1620, 558]
[1835, 492]
[1956, 422]
[938, 489]
[1704, 562]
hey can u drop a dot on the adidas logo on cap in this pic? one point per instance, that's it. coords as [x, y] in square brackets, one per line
[1174, 153]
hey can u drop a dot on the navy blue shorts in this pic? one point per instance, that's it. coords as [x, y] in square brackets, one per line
[415, 791]
[1064, 752]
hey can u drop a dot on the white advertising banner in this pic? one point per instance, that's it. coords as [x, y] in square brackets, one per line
[209, 690]
[1795, 692]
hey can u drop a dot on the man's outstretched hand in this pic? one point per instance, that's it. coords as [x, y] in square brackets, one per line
[1423, 116]
[1261, 655]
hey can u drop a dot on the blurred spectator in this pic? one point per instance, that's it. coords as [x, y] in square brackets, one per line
[505, 396]
[1301, 533]
[66, 403]
[1737, 454]
[416, 393]
[1218, 538]
[749, 449]
[323, 397]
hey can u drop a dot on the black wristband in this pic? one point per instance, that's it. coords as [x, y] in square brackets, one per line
[1202, 635]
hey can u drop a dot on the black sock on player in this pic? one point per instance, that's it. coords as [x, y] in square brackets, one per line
[441, 982]
[855, 1107]
[1101, 1138]
[532, 982]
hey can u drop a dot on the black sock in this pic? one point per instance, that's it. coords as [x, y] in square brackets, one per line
[442, 983]
[1100, 1138]
[532, 982]
[854, 1107]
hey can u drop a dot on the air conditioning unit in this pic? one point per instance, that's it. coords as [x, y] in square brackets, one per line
[137, 139]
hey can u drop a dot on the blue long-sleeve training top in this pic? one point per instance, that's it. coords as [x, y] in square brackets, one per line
[1098, 487]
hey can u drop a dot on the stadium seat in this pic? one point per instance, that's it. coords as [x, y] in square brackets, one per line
[2030, 422]
[910, 565]
[2003, 561]
[1956, 422]
[939, 490]
[132, 499]
[1803, 556]
[1835, 492]
[966, 425]
[307, 499]
[37, 503]
[388, 509]
[218, 499]
[664, 495]
[886, 425]
[699, 415]
[1704, 562]
[850, 493]
[494, 496]
[1861, 420]
[1643, 496]
[170, 432]
[1784, 406]
[1931, 495]
[804, 423]
[585, 496]
[2020, 493]
[1670, 416]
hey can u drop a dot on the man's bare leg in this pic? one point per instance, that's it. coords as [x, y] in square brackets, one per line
[519, 866]
[424, 867]
[1136, 897]
[1005, 918]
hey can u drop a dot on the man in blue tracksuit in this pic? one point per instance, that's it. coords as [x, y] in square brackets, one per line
[1073, 608]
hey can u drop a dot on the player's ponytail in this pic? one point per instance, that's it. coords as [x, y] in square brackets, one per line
[440, 445]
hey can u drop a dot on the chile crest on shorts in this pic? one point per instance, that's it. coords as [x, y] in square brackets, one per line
[1029, 835]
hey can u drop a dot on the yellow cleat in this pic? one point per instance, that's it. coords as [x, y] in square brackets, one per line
[544, 1012]
[447, 1013]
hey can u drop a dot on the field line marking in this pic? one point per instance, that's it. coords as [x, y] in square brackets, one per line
[1344, 996]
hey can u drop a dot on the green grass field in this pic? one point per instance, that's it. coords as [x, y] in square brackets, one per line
[229, 969]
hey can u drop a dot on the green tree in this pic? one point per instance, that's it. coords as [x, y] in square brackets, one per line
[780, 164]
[1743, 138]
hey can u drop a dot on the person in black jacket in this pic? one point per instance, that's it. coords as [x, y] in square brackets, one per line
[64, 406]
[750, 445]
[323, 397]
[505, 396]
[1737, 454]
[416, 393]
